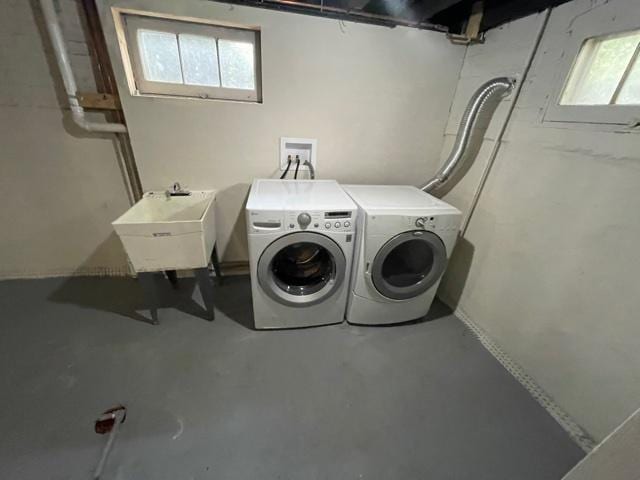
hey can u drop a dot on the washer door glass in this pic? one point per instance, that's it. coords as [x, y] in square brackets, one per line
[408, 264]
[301, 269]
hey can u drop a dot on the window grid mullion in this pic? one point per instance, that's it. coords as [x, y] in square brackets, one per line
[180, 58]
[218, 60]
[625, 75]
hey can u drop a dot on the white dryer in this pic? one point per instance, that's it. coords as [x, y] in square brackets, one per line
[405, 238]
[301, 237]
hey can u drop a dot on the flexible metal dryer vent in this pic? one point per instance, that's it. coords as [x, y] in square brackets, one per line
[477, 104]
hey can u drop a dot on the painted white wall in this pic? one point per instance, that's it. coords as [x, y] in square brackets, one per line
[377, 100]
[549, 264]
[60, 188]
[616, 458]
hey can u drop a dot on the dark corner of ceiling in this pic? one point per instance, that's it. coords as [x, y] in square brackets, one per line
[443, 15]
[494, 12]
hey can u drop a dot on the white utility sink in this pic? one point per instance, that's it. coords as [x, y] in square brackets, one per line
[169, 232]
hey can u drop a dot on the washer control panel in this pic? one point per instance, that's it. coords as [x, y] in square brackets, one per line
[335, 221]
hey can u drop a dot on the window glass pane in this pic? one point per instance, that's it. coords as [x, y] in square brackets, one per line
[199, 60]
[160, 57]
[598, 70]
[236, 64]
[630, 92]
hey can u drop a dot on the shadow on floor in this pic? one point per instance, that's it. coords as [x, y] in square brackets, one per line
[233, 299]
[125, 297]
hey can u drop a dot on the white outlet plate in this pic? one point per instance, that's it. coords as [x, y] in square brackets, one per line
[305, 148]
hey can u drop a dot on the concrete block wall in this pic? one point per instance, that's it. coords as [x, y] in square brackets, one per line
[376, 99]
[549, 264]
[68, 186]
[61, 188]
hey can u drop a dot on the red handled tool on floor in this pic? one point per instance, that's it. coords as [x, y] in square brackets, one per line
[108, 423]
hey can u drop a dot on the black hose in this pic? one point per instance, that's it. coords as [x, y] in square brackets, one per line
[295, 175]
[286, 170]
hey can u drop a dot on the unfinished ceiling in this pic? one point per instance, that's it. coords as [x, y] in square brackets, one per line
[451, 16]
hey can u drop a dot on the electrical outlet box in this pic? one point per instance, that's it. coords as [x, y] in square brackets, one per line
[304, 148]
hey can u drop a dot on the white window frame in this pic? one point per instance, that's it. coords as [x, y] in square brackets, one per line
[599, 23]
[132, 22]
[584, 61]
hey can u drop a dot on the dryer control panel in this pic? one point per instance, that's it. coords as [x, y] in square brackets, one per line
[381, 224]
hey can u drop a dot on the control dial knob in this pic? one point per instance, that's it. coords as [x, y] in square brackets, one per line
[304, 219]
[421, 222]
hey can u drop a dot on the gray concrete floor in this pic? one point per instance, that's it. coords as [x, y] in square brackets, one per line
[221, 401]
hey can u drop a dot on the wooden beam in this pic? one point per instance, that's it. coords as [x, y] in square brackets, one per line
[98, 101]
[472, 32]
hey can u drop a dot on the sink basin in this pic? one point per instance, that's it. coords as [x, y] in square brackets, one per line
[169, 233]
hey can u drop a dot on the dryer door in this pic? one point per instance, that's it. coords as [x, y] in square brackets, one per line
[301, 269]
[408, 264]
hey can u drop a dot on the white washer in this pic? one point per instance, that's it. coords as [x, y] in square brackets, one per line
[301, 238]
[405, 237]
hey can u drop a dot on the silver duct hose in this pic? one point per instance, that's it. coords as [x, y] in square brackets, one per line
[477, 104]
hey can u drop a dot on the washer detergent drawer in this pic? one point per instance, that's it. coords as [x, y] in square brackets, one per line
[265, 222]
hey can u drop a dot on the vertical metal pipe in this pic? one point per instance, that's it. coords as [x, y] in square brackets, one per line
[108, 84]
[498, 142]
[62, 57]
[108, 81]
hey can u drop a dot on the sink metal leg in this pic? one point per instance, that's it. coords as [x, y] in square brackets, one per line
[206, 290]
[147, 282]
[172, 276]
[216, 264]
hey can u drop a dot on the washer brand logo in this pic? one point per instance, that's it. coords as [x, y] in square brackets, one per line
[162, 234]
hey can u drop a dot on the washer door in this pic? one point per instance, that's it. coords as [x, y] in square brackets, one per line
[301, 269]
[408, 264]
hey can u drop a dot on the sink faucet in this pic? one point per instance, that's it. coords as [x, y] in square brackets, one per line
[175, 189]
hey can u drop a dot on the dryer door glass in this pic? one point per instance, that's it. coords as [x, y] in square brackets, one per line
[408, 264]
[301, 269]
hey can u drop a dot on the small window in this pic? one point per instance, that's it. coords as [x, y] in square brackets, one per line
[184, 58]
[606, 72]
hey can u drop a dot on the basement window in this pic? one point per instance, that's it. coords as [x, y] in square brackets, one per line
[606, 72]
[602, 86]
[187, 59]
